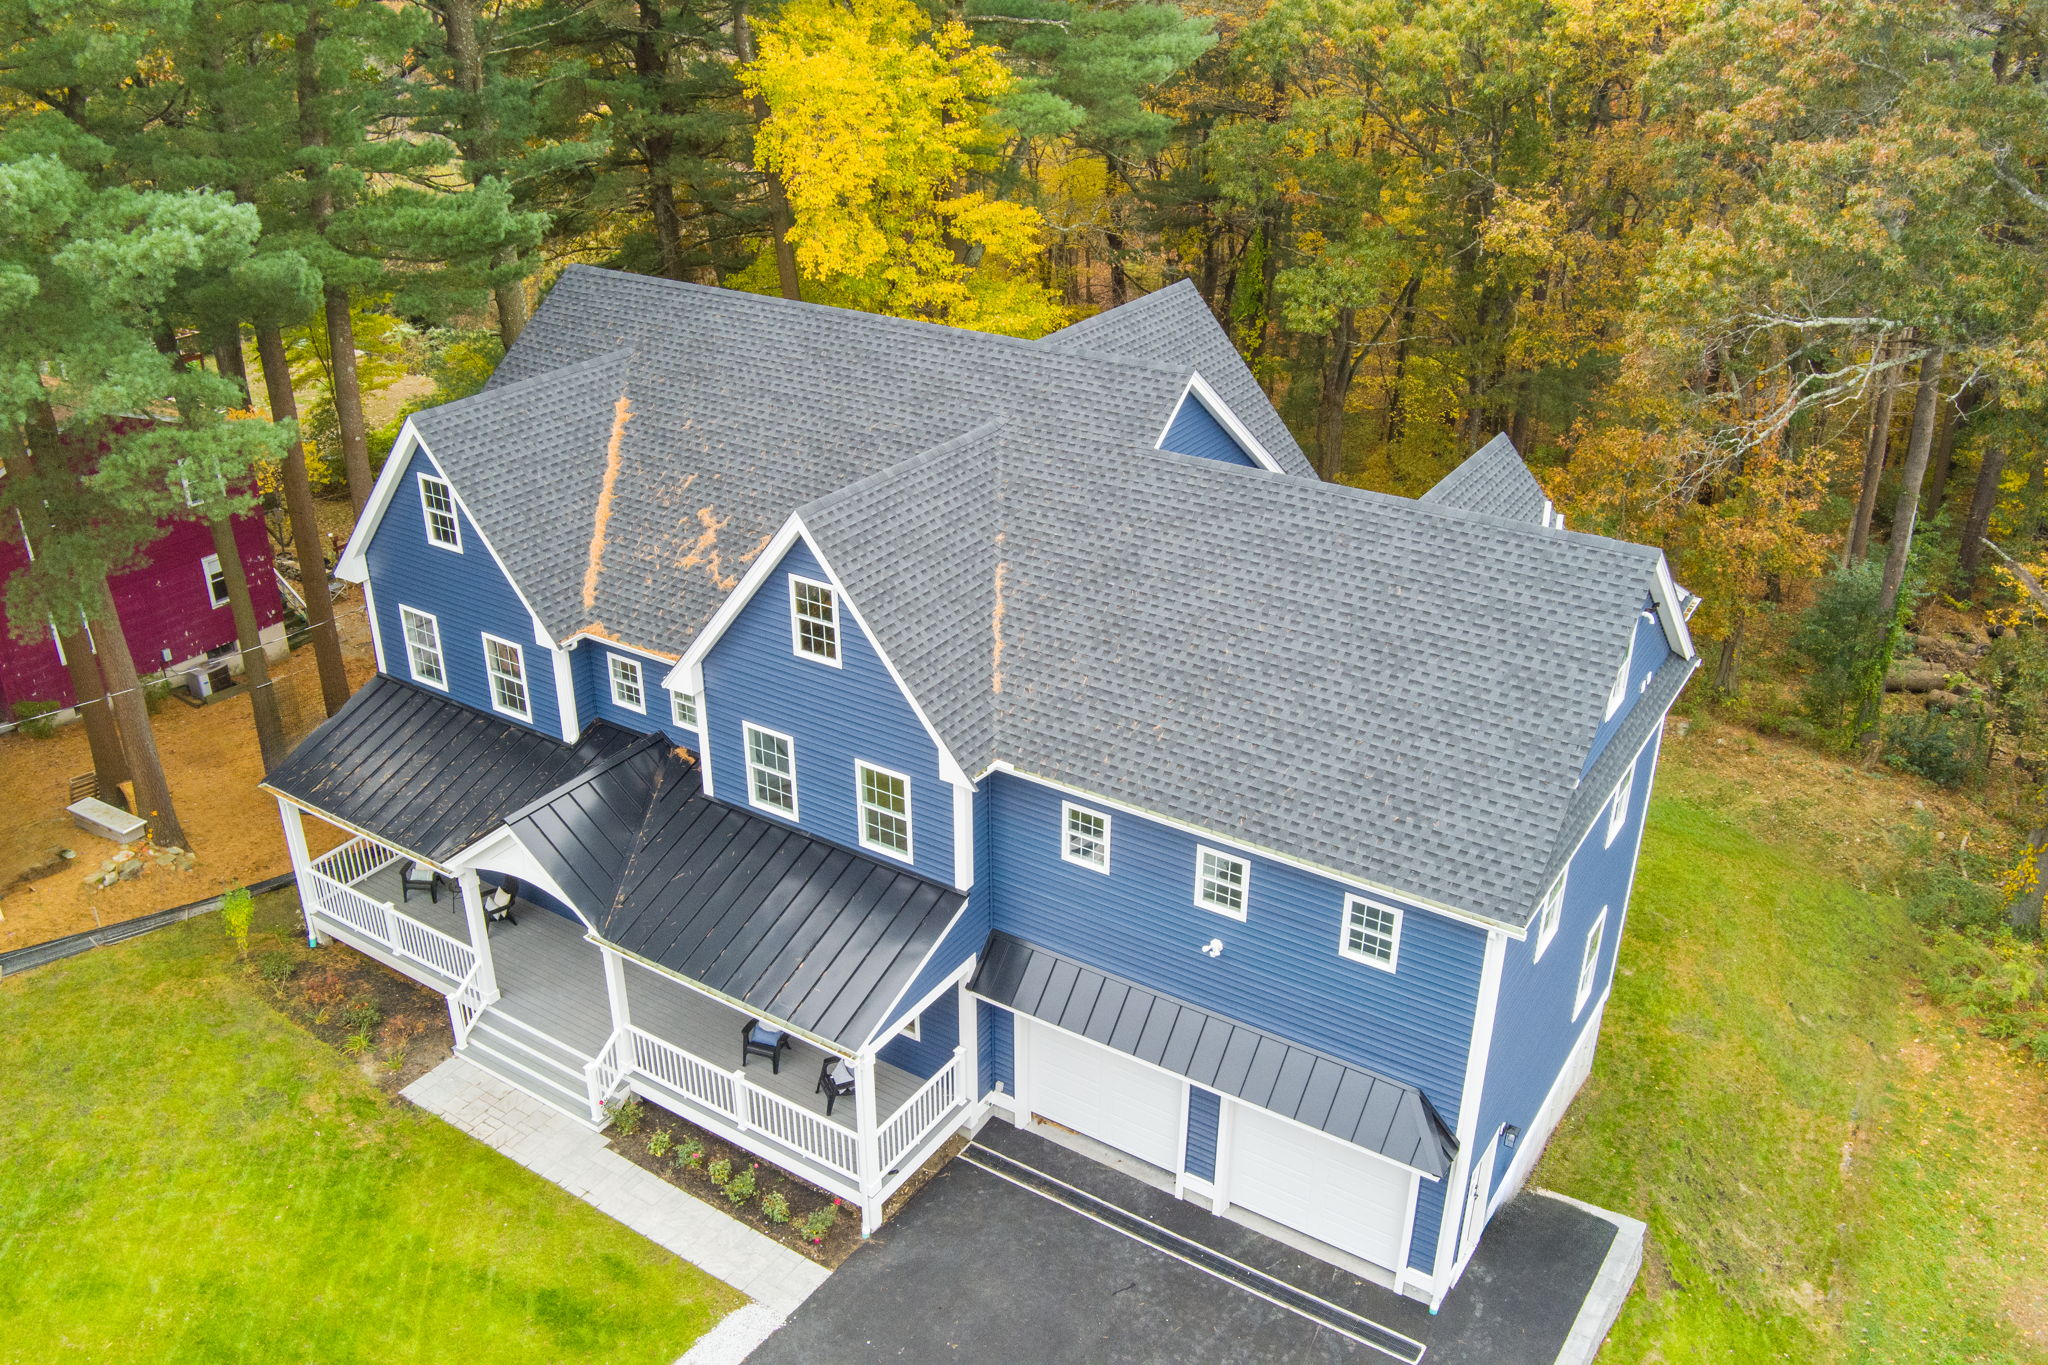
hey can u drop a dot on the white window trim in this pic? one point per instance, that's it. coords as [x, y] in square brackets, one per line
[209, 566]
[1589, 962]
[1067, 809]
[427, 517]
[1245, 890]
[1344, 948]
[440, 647]
[1618, 804]
[747, 728]
[860, 809]
[913, 1028]
[796, 637]
[696, 710]
[1618, 693]
[491, 676]
[612, 659]
[1549, 915]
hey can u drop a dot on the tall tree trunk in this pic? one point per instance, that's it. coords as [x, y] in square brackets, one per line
[1727, 673]
[1947, 421]
[227, 356]
[1983, 500]
[1338, 367]
[1904, 513]
[2025, 912]
[95, 712]
[479, 144]
[1405, 320]
[780, 218]
[306, 539]
[270, 738]
[1874, 451]
[348, 397]
[510, 296]
[1119, 282]
[152, 791]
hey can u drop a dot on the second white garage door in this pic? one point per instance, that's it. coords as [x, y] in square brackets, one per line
[1104, 1095]
[1311, 1182]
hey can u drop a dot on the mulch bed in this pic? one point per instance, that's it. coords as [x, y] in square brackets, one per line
[638, 1126]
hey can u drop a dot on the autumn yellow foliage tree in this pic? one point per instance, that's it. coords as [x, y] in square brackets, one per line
[878, 125]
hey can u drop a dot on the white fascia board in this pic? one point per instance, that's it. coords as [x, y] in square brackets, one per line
[1633, 761]
[1346, 879]
[339, 823]
[1671, 610]
[883, 1030]
[732, 1002]
[1220, 410]
[354, 566]
[667, 661]
[1477, 1054]
[502, 851]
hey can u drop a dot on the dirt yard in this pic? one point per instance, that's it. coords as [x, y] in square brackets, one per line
[211, 761]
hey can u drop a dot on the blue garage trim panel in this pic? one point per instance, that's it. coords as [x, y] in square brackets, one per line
[1205, 1112]
[998, 1049]
[1195, 431]
[1346, 1102]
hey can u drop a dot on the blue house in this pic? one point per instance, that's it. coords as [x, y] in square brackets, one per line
[843, 731]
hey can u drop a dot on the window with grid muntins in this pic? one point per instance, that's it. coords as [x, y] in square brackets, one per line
[507, 666]
[438, 501]
[1548, 914]
[423, 646]
[1589, 962]
[682, 707]
[1220, 882]
[626, 683]
[1087, 837]
[771, 772]
[216, 580]
[817, 619]
[884, 810]
[1370, 931]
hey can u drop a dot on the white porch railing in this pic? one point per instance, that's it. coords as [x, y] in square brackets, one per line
[915, 1119]
[605, 1073]
[732, 1096]
[465, 1003]
[380, 921]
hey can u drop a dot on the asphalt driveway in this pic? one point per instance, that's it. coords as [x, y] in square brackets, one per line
[1023, 1251]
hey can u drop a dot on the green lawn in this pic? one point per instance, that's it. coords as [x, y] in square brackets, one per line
[187, 1176]
[1830, 1170]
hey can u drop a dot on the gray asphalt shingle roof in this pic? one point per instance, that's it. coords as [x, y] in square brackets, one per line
[1492, 479]
[1399, 692]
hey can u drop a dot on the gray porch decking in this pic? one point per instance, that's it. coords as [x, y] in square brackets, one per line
[551, 979]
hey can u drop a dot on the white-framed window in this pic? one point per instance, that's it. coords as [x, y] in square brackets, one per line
[216, 580]
[884, 809]
[1222, 882]
[682, 709]
[813, 620]
[506, 663]
[437, 505]
[423, 646]
[1549, 911]
[626, 688]
[1617, 807]
[1589, 962]
[1084, 836]
[771, 770]
[1619, 692]
[1372, 933]
[914, 1030]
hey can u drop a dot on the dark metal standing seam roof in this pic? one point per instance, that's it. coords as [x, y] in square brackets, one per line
[1343, 1100]
[426, 774]
[819, 937]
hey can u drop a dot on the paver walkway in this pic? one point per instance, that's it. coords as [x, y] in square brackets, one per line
[558, 1149]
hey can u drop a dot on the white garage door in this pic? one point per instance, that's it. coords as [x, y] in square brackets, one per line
[1311, 1182]
[1105, 1095]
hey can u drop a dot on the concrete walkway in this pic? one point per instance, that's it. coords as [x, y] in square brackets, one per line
[558, 1149]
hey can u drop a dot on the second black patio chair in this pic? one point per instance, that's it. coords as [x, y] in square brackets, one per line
[758, 1040]
[417, 876]
[835, 1078]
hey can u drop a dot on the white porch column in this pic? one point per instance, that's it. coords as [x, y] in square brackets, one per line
[615, 988]
[302, 865]
[479, 933]
[867, 1130]
[970, 1043]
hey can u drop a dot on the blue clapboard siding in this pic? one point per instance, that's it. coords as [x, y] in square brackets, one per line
[998, 1048]
[1534, 1031]
[1204, 1108]
[589, 663]
[465, 591]
[963, 940]
[1280, 969]
[939, 1031]
[1195, 431]
[1651, 650]
[834, 715]
[1429, 1222]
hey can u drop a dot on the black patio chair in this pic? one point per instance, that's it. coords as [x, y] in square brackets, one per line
[758, 1040]
[498, 901]
[417, 876]
[835, 1078]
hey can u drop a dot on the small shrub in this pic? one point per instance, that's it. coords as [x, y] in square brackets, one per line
[395, 1063]
[362, 1016]
[660, 1142]
[357, 1043]
[276, 967]
[775, 1206]
[1945, 747]
[720, 1171]
[819, 1222]
[237, 908]
[740, 1188]
[690, 1153]
[36, 719]
[628, 1116]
